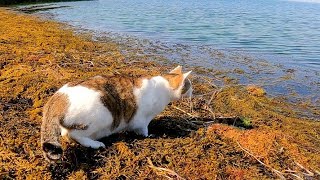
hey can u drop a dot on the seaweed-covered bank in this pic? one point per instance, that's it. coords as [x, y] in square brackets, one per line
[13, 2]
[230, 131]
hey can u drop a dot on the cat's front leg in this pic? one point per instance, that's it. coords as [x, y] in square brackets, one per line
[142, 131]
[87, 142]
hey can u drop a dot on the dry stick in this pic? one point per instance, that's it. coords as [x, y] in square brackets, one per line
[298, 177]
[272, 169]
[3, 173]
[131, 62]
[201, 95]
[309, 172]
[234, 122]
[183, 111]
[207, 122]
[164, 171]
[290, 171]
[204, 122]
[211, 83]
[214, 95]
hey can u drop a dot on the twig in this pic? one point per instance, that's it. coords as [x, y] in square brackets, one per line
[209, 122]
[211, 83]
[131, 62]
[3, 173]
[290, 171]
[213, 96]
[309, 172]
[168, 173]
[198, 122]
[201, 95]
[298, 177]
[272, 169]
[183, 111]
[234, 122]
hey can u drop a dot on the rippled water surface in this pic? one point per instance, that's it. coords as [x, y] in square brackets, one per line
[287, 31]
[271, 43]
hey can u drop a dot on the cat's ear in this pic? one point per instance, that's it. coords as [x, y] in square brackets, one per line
[177, 70]
[185, 75]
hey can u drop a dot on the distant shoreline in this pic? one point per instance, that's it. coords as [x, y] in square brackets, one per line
[26, 2]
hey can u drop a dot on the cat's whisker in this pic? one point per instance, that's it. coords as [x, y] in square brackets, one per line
[191, 104]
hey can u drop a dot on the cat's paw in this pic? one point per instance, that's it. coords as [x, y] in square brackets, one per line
[151, 136]
[142, 131]
[97, 145]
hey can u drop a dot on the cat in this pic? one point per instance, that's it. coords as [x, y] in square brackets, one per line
[86, 111]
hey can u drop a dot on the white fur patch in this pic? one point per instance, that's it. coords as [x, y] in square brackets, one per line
[86, 108]
[153, 96]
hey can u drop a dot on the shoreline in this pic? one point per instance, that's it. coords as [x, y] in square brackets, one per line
[38, 56]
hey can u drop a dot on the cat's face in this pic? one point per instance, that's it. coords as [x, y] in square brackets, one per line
[187, 89]
[179, 83]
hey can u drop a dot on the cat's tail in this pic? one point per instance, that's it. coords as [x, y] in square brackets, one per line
[50, 133]
[53, 113]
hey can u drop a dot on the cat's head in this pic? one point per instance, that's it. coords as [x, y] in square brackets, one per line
[179, 83]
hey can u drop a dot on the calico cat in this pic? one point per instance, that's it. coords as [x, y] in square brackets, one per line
[102, 105]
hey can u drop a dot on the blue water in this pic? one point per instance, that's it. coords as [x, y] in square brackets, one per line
[287, 31]
[275, 42]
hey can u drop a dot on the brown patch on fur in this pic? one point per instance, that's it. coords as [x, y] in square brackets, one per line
[73, 126]
[56, 107]
[174, 79]
[117, 95]
[138, 82]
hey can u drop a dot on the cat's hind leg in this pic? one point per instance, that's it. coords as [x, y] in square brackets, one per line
[87, 142]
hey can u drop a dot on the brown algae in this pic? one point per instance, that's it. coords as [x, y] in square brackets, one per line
[207, 138]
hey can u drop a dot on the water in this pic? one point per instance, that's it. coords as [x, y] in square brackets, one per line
[276, 43]
[286, 29]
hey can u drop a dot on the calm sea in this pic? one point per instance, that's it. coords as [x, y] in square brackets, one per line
[281, 30]
[273, 43]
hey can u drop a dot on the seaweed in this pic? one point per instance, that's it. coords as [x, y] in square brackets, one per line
[223, 132]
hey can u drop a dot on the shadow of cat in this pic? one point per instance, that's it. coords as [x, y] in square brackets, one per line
[78, 157]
